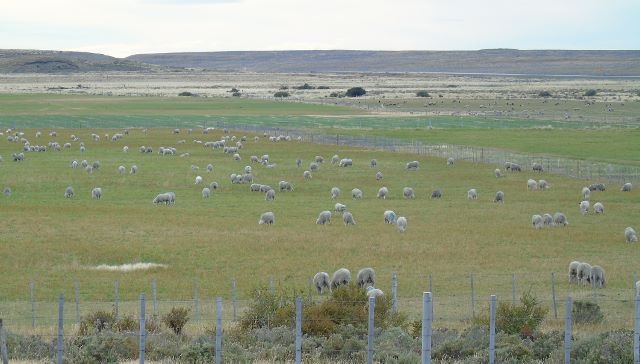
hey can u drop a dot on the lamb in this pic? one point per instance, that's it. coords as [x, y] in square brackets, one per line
[162, 198]
[335, 192]
[586, 193]
[560, 219]
[436, 193]
[584, 207]
[7, 191]
[198, 180]
[270, 195]
[532, 184]
[543, 184]
[498, 173]
[267, 218]
[68, 193]
[340, 208]
[366, 276]
[630, 235]
[206, 192]
[547, 219]
[573, 272]
[472, 194]
[626, 187]
[285, 186]
[413, 165]
[537, 222]
[335, 159]
[96, 193]
[499, 197]
[209, 168]
[537, 167]
[373, 163]
[597, 277]
[347, 218]
[450, 161]
[306, 175]
[383, 192]
[213, 186]
[598, 208]
[324, 218]
[356, 194]
[313, 166]
[340, 277]
[121, 169]
[407, 192]
[401, 223]
[134, 169]
[322, 282]
[298, 162]
[389, 217]
[378, 176]
[584, 273]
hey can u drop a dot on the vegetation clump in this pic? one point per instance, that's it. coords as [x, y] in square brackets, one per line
[544, 94]
[585, 312]
[355, 92]
[281, 94]
[590, 92]
[422, 93]
[176, 319]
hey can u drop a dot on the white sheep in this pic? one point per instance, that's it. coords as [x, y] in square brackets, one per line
[584, 273]
[373, 163]
[573, 272]
[356, 194]
[125, 149]
[383, 192]
[497, 172]
[298, 162]
[560, 219]
[389, 217]
[340, 208]
[96, 193]
[598, 208]
[586, 193]
[7, 191]
[270, 195]
[335, 159]
[537, 222]
[121, 169]
[248, 170]
[346, 162]
[335, 192]
[74, 164]
[322, 282]
[198, 180]
[401, 223]
[378, 176]
[374, 292]
[472, 194]
[340, 277]
[306, 174]
[267, 218]
[450, 161]
[532, 184]
[543, 185]
[319, 159]
[630, 235]
[584, 207]
[366, 276]
[347, 218]
[206, 192]
[209, 168]
[313, 166]
[413, 165]
[68, 192]
[547, 219]
[172, 197]
[626, 187]
[499, 197]
[537, 167]
[437, 193]
[285, 186]
[134, 169]
[324, 218]
[213, 185]
[162, 198]
[407, 192]
[597, 277]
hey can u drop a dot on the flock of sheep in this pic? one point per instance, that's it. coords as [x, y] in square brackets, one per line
[366, 279]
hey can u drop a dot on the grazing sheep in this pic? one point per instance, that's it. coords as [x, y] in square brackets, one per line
[472, 194]
[356, 194]
[335, 159]
[543, 184]
[96, 165]
[267, 218]
[335, 192]
[340, 208]
[586, 193]
[584, 273]
[322, 282]
[306, 174]
[499, 197]
[401, 223]
[209, 168]
[383, 192]
[597, 277]
[213, 186]
[134, 169]
[378, 176]
[573, 272]
[597, 187]
[389, 217]
[436, 193]
[89, 169]
[7, 191]
[68, 192]
[347, 218]
[407, 192]
[584, 207]
[162, 198]
[450, 161]
[121, 169]
[374, 292]
[366, 276]
[515, 168]
[532, 184]
[254, 159]
[255, 187]
[265, 188]
[74, 164]
[547, 219]
[630, 235]
[319, 159]
[96, 193]
[285, 186]
[626, 187]
[324, 218]
[198, 180]
[298, 163]
[270, 195]
[537, 222]
[313, 166]
[560, 219]
[125, 149]
[340, 277]
[598, 208]
[498, 173]
[206, 192]
[373, 163]
[537, 167]
[507, 165]
[413, 165]
[346, 162]
[248, 170]
[236, 157]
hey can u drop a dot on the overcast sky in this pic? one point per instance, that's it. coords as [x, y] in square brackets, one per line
[124, 27]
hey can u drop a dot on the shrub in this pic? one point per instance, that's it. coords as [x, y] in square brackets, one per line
[96, 322]
[284, 87]
[176, 319]
[336, 94]
[422, 93]
[355, 92]
[236, 94]
[306, 86]
[269, 308]
[523, 319]
[608, 347]
[590, 92]
[585, 312]
[234, 90]
[186, 93]
[544, 94]
[322, 87]
[281, 94]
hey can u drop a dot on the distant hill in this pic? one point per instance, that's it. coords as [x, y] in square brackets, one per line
[497, 61]
[42, 61]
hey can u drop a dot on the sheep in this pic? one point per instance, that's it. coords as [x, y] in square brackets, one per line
[313, 166]
[366, 276]
[560, 219]
[597, 277]
[498, 173]
[96, 165]
[537, 167]
[322, 282]
[630, 235]
[265, 188]
[389, 217]
[340, 208]
[121, 169]
[335, 192]
[267, 218]
[499, 197]
[515, 168]
[537, 222]
[450, 161]
[335, 159]
[598, 208]
[340, 277]
[162, 198]
[532, 184]
[7, 191]
[255, 187]
[573, 272]
[285, 186]
[401, 223]
[206, 192]
[319, 159]
[298, 162]
[89, 169]
[172, 198]
[383, 192]
[245, 178]
[584, 207]
[236, 157]
[543, 185]
[213, 186]
[347, 218]
[507, 165]
[134, 169]
[198, 180]
[373, 163]
[125, 149]
[248, 170]
[356, 194]
[407, 192]
[626, 187]
[584, 273]
[345, 162]
[264, 158]
[306, 174]
[413, 165]
[378, 176]
[472, 194]
[270, 195]
[374, 292]
[547, 220]
[209, 168]
[68, 192]
[597, 187]
[96, 193]
[437, 193]
[74, 164]
[324, 218]
[586, 193]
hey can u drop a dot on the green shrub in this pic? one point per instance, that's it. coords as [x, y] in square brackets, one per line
[336, 94]
[236, 94]
[323, 87]
[608, 347]
[591, 92]
[176, 319]
[103, 347]
[585, 312]
[544, 94]
[281, 94]
[422, 93]
[523, 319]
[306, 86]
[269, 308]
[96, 322]
[355, 92]
[472, 341]
[31, 347]
[186, 93]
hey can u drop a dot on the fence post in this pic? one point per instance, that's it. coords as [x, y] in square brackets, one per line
[234, 297]
[427, 319]
[154, 288]
[298, 330]
[116, 287]
[492, 330]
[3, 345]
[513, 289]
[33, 304]
[76, 290]
[60, 352]
[636, 334]
[553, 294]
[635, 280]
[143, 330]
[567, 333]
[394, 292]
[196, 301]
[473, 299]
[371, 331]
[218, 330]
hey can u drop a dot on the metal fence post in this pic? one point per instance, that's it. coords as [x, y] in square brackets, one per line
[196, 301]
[76, 289]
[154, 288]
[430, 283]
[473, 299]
[218, 330]
[427, 319]
[33, 304]
[567, 333]
[60, 352]
[636, 334]
[513, 289]
[492, 330]
[143, 330]
[3, 344]
[298, 330]
[234, 297]
[553, 294]
[394, 292]
[371, 331]
[116, 287]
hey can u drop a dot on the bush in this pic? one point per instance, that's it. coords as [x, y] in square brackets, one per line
[176, 319]
[608, 347]
[281, 94]
[422, 93]
[544, 94]
[236, 94]
[585, 312]
[283, 87]
[322, 87]
[186, 93]
[306, 86]
[523, 319]
[234, 90]
[590, 92]
[355, 92]
[269, 308]
[336, 94]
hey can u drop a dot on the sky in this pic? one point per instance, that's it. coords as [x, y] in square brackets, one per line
[121, 28]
